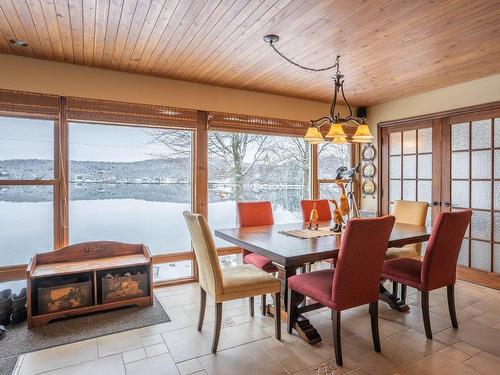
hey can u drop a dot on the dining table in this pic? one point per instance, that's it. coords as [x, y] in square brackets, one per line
[291, 254]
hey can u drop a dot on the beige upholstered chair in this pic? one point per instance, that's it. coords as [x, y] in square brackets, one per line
[228, 284]
[408, 212]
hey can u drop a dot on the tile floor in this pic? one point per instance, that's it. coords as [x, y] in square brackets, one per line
[247, 345]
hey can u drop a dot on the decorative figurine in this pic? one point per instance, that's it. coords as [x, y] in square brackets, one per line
[313, 218]
[344, 204]
[337, 218]
[346, 177]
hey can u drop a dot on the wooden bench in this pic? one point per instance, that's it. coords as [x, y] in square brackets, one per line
[90, 261]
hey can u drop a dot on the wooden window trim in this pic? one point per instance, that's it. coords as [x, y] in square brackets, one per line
[62, 110]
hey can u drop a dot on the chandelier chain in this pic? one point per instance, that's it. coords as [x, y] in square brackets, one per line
[335, 65]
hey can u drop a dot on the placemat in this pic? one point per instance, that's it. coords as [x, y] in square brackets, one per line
[309, 233]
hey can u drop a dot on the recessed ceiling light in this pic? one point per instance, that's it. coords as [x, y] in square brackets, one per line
[18, 43]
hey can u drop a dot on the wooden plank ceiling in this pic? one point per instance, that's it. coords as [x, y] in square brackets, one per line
[389, 49]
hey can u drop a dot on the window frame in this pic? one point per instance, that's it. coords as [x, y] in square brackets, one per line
[112, 113]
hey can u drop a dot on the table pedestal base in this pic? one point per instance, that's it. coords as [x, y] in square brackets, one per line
[302, 325]
[392, 300]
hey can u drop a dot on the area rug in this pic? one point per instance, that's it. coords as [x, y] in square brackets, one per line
[19, 339]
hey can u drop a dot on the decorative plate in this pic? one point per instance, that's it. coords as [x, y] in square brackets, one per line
[368, 170]
[368, 187]
[368, 152]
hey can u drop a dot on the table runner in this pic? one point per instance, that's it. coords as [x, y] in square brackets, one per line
[309, 233]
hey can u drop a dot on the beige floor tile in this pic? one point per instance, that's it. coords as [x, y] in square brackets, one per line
[443, 312]
[484, 320]
[416, 342]
[437, 363]
[466, 348]
[479, 335]
[489, 305]
[485, 363]
[245, 333]
[404, 346]
[285, 337]
[413, 319]
[245, 359]
[179, 319]
[118, 343]
[156, 349]
[103, 366]
[154, 329]
[159, 365]
[188, 343]
[190, 366]
[59, 356]
[448, 336]
[152, 340]
[455, 354]
[297, 356]
[394, 356]
[134, 355]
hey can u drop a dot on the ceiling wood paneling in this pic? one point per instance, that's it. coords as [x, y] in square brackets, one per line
[389, 49]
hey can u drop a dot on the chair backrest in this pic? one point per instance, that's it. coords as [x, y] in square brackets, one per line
[440, 261]
[210, 273]
[322, 205]
[410, 212]
[359, 264]
[251, 214]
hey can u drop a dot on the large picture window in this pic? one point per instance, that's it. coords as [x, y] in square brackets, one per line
[26, 188]
[128, 184]
[330, 157]
[250, 167]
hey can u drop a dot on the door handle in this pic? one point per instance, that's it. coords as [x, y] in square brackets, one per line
[436, 203]
[446, 204]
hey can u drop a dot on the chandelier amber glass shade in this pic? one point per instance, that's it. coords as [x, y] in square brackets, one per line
[336, 130]
[340, 140]
[363, 134]
[314, 136]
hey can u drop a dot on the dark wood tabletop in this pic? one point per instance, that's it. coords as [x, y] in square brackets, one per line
[290, 251]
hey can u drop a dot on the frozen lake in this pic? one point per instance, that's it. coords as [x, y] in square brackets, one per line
[26, 227]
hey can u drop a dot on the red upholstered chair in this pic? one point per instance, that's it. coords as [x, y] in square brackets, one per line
[251, 214]
[355, 280]
[324, 213]
[322, 205]
[438, 269]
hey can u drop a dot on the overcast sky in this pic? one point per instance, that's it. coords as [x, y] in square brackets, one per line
[33, 139]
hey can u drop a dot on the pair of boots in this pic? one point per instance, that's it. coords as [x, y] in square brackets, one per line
[12, 308]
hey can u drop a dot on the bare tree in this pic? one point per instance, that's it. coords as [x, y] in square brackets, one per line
[296, 149]
[239, 152]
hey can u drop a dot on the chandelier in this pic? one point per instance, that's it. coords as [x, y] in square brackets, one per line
[336, 122]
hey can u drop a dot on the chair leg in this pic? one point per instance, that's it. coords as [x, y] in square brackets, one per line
[218, 325]
[251, 306]
[277, 315]
[336, 337]
[263, 306]
[292, 297]
[403, 293]
[451, 305]
[425, 314]
[374, 322]
[203, 304]
[395, 288]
